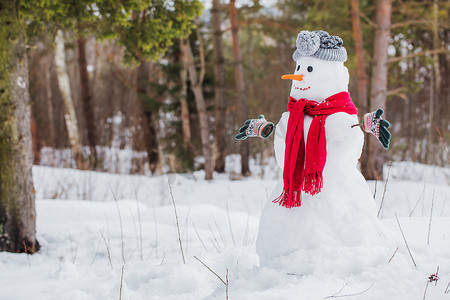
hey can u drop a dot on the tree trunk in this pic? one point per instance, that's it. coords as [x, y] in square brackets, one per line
[196, 87]
[148, 124]
[49, 102]
[17, 205]
[219, 88]
[375, 159]
[185, 121]
[361, 70]
[434, 87]
[359, 47]
[37, 145]
[240, 85]
[87, 102]
[70, 115]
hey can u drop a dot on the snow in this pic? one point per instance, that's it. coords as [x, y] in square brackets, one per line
[73, 261]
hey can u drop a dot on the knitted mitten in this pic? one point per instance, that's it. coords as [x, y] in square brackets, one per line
[374, 124]
[255, 127]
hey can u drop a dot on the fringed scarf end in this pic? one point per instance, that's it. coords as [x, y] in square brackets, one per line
[289, 199]
[313, 183]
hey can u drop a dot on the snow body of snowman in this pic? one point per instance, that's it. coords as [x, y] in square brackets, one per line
[343, 213]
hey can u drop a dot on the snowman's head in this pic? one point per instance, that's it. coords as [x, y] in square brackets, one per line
[319, 71]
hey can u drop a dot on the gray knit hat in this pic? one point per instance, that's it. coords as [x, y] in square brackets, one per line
[319, 44]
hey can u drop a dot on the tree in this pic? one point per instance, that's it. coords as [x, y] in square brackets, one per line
[70, 115]
[88, 107]
[375, 158]
[196, 87]
[240, 85]
[148, 118]
[219, 87]
[185, 120]
[359, 49]
[17, 207]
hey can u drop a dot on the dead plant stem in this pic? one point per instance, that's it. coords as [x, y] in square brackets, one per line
[393, 255]
[229, 223]
[121, 282]
[384, 191]
[350, 295]
[121, 226]
[211, 270]
[107, 250]
[431, 217]
[406, 243]
[176, 218]
[140, 222]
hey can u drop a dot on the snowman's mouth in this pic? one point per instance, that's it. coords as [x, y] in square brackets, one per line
[302, 89]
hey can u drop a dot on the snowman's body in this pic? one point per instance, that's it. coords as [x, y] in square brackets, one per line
[344, 212]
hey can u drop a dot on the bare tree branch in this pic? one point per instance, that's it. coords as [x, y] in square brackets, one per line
[423, 53]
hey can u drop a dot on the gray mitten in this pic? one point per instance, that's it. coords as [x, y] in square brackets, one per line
[374, 124]
[255, 127]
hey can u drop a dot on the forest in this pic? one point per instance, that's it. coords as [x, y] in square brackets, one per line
[151, 88]
[188, 99]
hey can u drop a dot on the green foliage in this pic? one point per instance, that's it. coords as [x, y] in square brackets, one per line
[145, 27]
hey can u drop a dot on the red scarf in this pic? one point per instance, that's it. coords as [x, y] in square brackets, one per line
[303, 167]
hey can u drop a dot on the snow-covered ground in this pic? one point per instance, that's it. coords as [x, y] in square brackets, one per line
[87, 238]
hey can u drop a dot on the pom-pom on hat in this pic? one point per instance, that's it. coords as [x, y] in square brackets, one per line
[320, 44]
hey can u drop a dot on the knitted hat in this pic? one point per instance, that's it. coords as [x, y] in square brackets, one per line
[319, 44]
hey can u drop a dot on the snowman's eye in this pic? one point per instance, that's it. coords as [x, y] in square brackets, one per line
[298, 67]
[310, 69]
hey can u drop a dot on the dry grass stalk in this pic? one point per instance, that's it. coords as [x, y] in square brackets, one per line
[164, 257]
[121, 226]
[420, 198]
[212, 270]
[343, 286]
[96, 252]
[185, 234]
[222, 236]
[227, 286]
[156, 231]
[107, 249]
[406, 243]
[384, 191]
[121, 281]
[176, 217]
[212, 242]
[217, 242]
[431, 216]
[348, 295]
[198, 235]
[393, 255]
[376, 184]
[140, 222]
[294, 274]
[73, 250]
[229, 223]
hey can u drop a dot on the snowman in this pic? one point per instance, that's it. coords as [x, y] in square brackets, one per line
[323, 202]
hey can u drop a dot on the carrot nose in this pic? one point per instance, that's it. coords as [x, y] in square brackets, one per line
[293, 77]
